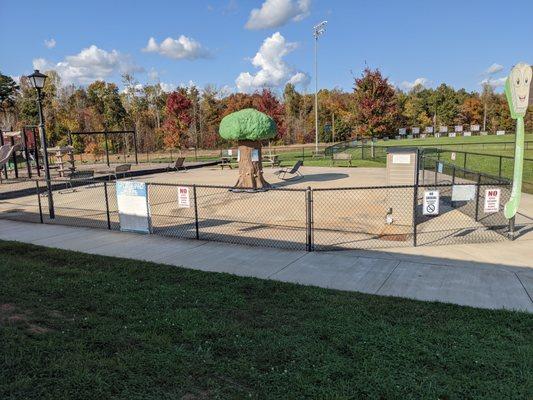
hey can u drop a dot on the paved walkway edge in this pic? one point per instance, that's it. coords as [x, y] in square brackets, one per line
[421, 277]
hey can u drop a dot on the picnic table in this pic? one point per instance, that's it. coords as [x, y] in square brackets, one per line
[227, 162]
[272, 159]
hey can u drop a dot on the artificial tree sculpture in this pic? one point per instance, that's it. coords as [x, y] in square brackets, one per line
[249, 127]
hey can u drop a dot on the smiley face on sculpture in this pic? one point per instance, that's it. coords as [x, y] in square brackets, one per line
[518, 85]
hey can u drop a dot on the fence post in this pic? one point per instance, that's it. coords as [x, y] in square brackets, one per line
[39, 201]
[415, 197]
[107, 206]
[196, 225]
[436, 171]
[478, 187]
[309, 219]
[464, 165]
[511, 228]
[424, 168]
[453, 174]
[500, 168]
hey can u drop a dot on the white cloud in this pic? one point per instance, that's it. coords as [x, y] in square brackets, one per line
[274, 13]
[167, 87]
[153, 75]
[494, 68]
[273, 70]
[178, 49]
[418, 81]
[89, 65]
[494, 82]
[50, 43]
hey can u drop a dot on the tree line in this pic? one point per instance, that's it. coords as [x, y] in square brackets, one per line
[189, 117]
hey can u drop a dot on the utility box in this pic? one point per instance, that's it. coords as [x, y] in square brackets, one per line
[401, 171]
[401, 166]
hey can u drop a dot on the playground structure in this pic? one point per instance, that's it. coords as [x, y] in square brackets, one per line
[24, 144]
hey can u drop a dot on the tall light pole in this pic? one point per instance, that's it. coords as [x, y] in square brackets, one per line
[37, 81]
[318, 30]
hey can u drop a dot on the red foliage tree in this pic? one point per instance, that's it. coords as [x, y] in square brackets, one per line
[375, 102]
[267, 103]
[177, 118]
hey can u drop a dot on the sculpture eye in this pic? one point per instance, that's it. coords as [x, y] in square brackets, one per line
[518, 81]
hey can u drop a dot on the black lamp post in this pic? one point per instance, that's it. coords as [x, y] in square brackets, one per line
[37, 81]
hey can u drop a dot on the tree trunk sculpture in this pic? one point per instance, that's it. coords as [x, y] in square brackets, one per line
[249, 127]
[250, 166]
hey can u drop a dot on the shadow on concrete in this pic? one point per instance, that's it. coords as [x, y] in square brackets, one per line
[311, 178]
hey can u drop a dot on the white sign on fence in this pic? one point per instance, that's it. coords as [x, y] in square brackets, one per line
[467, 134]
[463, 192]
[458, 128]
[453, 156]
[230, 152]
[474, 128]
[429, 129]
[132, 203]
[437, 134]
[423, 136]
[184, 197]
[451, 134]
[440, 167]
[415, 130]
[431, 202]
[402, 131]
[443, 129]
[492, 200]
[500, 133]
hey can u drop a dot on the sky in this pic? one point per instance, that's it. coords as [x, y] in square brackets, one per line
[244, 45]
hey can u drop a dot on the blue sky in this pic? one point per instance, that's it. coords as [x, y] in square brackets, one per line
[216, 42]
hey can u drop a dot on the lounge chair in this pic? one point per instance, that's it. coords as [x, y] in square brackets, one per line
[177, 165]
[294, 171]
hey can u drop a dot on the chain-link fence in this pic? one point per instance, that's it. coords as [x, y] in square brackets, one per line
[300, 219]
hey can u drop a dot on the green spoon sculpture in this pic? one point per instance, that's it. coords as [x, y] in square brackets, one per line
[517, 93]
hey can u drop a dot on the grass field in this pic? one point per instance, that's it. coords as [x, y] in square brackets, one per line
[77, 326]
[469, 141]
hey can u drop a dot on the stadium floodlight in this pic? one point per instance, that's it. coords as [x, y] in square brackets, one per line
[318, 30]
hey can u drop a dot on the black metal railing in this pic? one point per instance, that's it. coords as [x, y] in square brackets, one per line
[301, 218]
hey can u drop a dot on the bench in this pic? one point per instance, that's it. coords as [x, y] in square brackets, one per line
[78, 176]
[341, 157]
[117, 170]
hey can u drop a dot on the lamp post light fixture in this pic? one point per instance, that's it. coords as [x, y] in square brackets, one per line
[318, 30]
[37, 81]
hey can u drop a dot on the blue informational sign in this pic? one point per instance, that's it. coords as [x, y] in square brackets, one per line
[133, 210]
[440, 167]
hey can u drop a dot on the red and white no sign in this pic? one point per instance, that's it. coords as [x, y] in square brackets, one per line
[492, 200]
[184, 198]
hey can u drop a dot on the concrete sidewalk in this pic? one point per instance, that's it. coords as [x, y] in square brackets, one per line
[473, 275]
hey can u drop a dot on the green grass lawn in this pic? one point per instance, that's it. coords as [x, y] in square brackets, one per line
[469, 140]
[77, 326]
